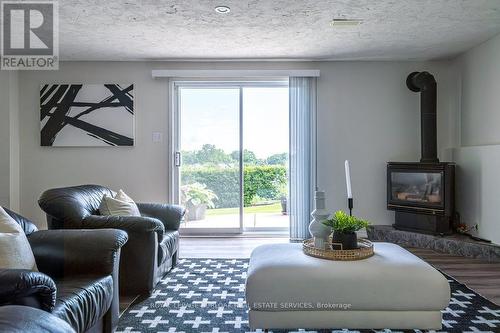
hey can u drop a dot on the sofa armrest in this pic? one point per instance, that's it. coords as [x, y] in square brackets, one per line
[170, 215]
[77, 252]
[25, 319]
[25, 287]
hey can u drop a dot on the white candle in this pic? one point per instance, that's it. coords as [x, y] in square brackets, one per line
[348, 180]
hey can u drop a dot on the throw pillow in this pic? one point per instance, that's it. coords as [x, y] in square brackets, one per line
[123, 196]
[15, 250]
[120, 205]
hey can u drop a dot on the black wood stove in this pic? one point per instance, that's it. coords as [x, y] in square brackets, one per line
[423, 193]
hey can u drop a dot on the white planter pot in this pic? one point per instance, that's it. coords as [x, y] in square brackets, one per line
[196, 212]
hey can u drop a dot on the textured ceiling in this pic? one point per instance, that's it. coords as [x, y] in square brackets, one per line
[266, 29]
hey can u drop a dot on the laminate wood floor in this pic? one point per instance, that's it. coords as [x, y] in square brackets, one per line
[222, 247]
[481, 276]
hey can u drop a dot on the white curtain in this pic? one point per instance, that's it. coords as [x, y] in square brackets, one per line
[302, 154]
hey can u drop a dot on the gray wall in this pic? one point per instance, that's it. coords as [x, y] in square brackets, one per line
[365, 112]
[478, 156]
[480, 113]
[4, 139]
[367, 115]
[14, 193]
[9, 142]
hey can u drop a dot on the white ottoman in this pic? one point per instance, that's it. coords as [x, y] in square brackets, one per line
[393, 289]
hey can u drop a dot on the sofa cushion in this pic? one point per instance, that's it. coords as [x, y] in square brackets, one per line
[82, 301]
[168, 246]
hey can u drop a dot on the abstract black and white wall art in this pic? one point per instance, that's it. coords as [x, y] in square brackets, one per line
[87, 115]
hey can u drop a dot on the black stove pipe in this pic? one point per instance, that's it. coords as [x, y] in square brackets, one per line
[425, 83]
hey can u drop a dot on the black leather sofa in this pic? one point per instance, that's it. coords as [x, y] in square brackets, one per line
[153, 244]
[77, 277]
[25, 319]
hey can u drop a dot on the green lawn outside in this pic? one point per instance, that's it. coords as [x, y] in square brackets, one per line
[272, 208]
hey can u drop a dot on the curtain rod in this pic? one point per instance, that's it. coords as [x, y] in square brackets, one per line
[214, 73]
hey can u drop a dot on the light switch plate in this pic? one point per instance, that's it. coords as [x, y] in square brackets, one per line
[157, 137]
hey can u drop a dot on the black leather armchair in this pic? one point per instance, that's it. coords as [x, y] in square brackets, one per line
[77, 277]
[153, 244]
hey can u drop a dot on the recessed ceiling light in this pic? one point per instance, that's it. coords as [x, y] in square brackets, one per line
[222, 9]
[345, 22]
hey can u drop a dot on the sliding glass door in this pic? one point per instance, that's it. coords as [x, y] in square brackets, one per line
[265, 158]
[209, 147]
[231, 156]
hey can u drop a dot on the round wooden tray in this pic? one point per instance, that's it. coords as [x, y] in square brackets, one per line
[364, 250]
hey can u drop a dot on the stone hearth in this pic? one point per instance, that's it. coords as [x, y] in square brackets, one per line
[455, 244]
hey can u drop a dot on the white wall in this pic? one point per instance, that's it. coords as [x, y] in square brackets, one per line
[365, 112]
[478, 156]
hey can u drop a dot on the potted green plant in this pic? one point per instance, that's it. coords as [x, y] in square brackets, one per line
[197, 198]
[283, 191]
[283, 202]
[344, 229]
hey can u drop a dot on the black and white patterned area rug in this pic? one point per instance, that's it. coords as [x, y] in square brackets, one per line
[208, 295]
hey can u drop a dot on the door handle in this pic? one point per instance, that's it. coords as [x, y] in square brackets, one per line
[178, 159]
